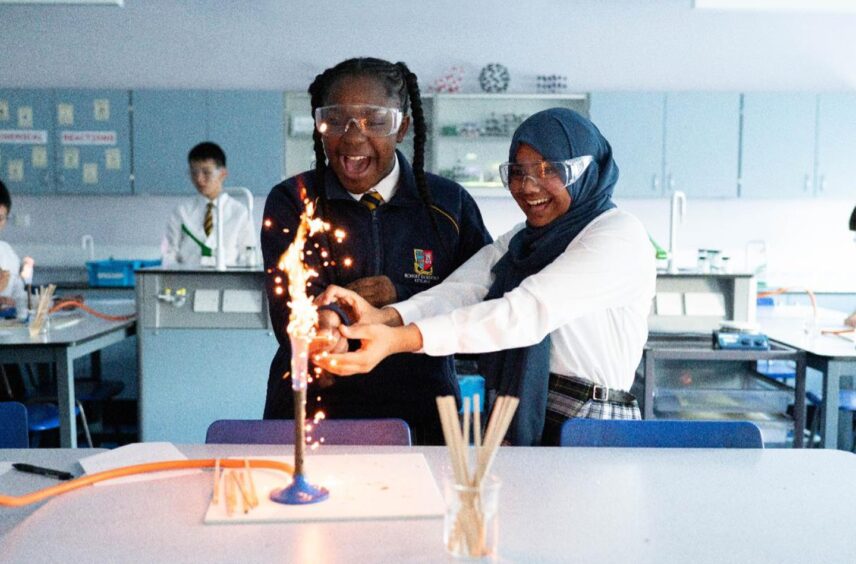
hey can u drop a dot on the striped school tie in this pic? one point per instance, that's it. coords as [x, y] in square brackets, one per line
[371, 200]
[209, 219]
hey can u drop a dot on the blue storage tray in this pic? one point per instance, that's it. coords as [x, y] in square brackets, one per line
[115, 273]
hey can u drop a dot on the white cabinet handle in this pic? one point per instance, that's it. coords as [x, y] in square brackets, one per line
[655, 183]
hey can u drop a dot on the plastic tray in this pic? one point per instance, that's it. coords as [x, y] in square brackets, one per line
[719, 388]
[115, 273]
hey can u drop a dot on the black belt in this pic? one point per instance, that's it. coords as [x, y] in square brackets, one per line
[585, 391]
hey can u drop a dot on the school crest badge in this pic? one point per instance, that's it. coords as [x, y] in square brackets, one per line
[423, 261]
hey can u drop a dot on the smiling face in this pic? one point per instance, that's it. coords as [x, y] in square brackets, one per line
[207, 177]
[359, 161]
[541, 201]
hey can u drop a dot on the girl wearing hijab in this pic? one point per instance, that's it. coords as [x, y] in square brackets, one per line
[560, 303]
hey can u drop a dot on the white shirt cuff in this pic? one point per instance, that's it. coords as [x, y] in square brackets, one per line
[438, 335]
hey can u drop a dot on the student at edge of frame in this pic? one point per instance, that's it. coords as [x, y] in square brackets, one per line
[191, 232]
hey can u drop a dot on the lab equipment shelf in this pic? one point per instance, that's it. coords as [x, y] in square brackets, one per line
[685, 377]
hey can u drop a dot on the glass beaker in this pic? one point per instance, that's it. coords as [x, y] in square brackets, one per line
[471, 523]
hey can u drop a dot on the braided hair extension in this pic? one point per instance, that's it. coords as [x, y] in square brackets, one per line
[400, 82]
[419, 138]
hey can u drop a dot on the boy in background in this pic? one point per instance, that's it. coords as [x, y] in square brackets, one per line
[191, 233]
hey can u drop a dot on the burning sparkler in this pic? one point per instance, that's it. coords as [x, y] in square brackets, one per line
[301, 331]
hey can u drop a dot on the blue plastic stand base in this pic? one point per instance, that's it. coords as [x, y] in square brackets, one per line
[300, 492]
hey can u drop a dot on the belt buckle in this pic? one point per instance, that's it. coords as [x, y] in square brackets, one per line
[600, 393]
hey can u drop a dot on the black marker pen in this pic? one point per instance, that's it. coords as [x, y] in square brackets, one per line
[30, 469]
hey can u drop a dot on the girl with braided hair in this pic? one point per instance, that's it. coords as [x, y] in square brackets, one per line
[406, 230]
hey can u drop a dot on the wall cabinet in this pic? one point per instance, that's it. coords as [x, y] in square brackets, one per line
[65, 141]
[702, 143]
[634, 124]
[685, 141]
[836, 145]
[248, 125]
[778, 140]
[797, 145]
[471, 133]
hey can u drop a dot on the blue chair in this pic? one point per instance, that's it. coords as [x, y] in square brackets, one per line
[335, 432]
[13, 425]
[660, 433]
[42, 413]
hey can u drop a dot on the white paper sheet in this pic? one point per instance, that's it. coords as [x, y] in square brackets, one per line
[136, 453]
[362, 486]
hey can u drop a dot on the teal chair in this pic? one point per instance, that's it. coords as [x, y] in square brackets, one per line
[660, 433]
[13, 425]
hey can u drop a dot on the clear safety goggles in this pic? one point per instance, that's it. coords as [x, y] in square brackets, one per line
[372, 121]
[567, 172]
[206, 173]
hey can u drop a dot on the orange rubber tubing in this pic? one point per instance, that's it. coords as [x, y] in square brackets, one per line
[68, 304]
[77, 483]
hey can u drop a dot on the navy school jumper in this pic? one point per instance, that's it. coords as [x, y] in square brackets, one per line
[397, 240]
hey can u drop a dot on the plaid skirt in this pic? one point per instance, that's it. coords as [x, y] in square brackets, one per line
[561, 407]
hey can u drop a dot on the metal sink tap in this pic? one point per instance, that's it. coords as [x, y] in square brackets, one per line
[676, 216]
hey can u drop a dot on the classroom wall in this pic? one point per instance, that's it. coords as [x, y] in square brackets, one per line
[599, 45]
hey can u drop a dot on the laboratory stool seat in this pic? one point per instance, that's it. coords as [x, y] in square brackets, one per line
[660, 433]
[44, 416]
[394, 432]
[97, 394]
[42, 413]
[94, 393]
[13, 425]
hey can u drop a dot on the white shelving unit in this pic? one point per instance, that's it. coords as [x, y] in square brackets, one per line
[471, 133]
[468, 134]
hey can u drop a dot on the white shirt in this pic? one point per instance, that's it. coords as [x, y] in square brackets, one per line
[178, 248]
[593, 301]
[9, 261]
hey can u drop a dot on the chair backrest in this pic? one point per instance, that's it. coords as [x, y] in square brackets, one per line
[334, 432]
[13, 425]
[660, 433]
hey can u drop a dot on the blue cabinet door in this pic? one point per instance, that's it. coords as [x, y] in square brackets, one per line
[836, 145]
[167, 124]
[632, 122]
[702, 136]
[93, 142]
[778, 140]
[248, 125]
[27, 152]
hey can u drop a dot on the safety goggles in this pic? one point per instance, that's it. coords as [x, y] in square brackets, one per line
[567, 172]
[372, 121]
[206, 173]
